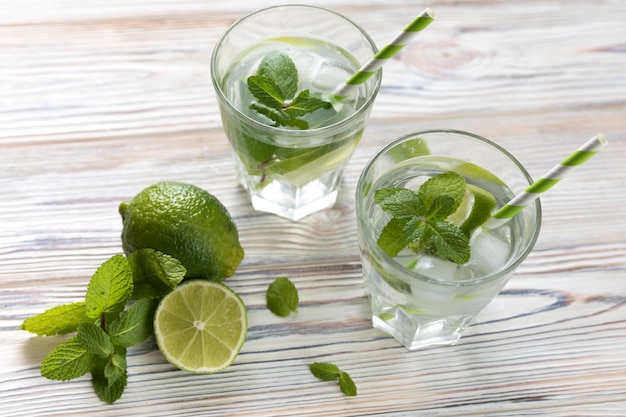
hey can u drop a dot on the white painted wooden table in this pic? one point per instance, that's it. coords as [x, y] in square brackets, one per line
[99, 99]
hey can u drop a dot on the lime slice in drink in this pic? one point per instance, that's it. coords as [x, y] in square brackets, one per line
[484, 203]
[474, 210]
[409, 149]
[469, 170]
[463, 211]
[200, 327]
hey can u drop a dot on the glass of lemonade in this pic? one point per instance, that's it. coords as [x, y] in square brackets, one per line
[416, 296]
[295, 168]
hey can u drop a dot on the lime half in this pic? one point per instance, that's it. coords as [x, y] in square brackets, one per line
[201, 326]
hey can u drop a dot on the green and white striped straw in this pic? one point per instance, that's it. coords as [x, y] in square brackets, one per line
[543, 184]
[378, 60]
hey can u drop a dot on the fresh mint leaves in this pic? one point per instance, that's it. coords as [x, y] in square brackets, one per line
[282, 297]
[418, 221]
[275, 86]
[155, 274]
[110, 287]
[331, 372]
[61, 319]
[105, 322]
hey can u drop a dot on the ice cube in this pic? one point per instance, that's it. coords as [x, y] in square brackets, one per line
[489, 252]
[430, 293]
[304, 62]
[434, 267]
[329, 76]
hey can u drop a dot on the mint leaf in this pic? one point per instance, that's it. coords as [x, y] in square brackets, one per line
[392, 238]
[330, 372]
[67, 361]
[282, 297]
[266, 91]
[449, 242]
[116, 366]
[418, 218]
[56, 320]
[95, 340]
[106, 391]
[109, 288]
[305, 103]
[154, 273]
[441, 207]
[134, 324]
[279, 117]
[325, 371]
[449, 183]
[280, 68]
[297, 123]
[275, 86]
[400, 202]
[347, 385]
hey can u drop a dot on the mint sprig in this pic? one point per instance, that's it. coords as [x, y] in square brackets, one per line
[418, 221]
[275, 86]
[329, 372]
[106, 324]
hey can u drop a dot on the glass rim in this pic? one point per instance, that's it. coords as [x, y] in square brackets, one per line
[381, 255]
[283, 130]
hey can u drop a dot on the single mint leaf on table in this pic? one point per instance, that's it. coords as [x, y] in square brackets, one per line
[134, 324]
[110, 287]
[95, 339]
[325, 371]
[347, 385]
[418, 218]
[282, 297]
[61, 319]
[67, 361]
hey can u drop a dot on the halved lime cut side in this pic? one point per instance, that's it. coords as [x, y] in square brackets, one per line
[201, 326]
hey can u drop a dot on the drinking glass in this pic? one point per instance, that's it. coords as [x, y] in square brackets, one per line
[424, 300]
[288, 171]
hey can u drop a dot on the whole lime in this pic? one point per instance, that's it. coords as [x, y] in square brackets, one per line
[186, 222]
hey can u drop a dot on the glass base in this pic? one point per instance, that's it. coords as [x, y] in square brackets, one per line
[292, 212]
[283, 197]
[415, 329]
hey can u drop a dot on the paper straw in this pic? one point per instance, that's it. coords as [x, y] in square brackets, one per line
[370, 67]
[543, 184]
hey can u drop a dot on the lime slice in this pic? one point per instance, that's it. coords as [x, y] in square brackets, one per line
[463, 212]
[200, 327]
[484, 203]
[409, 149]
[474, 210]
[469, 170]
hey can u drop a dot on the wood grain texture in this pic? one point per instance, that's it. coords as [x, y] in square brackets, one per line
[101, 99]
